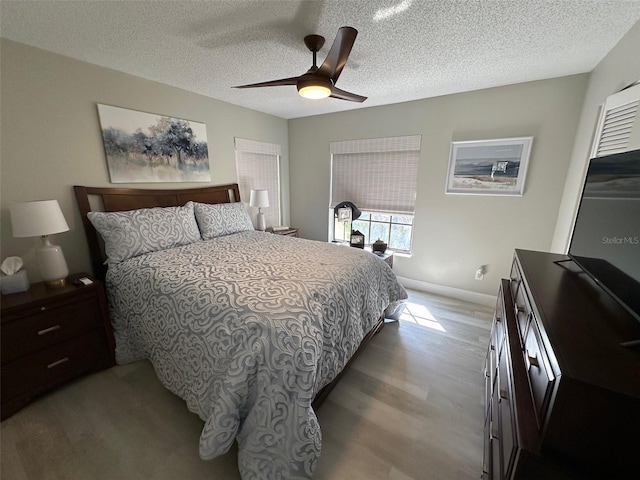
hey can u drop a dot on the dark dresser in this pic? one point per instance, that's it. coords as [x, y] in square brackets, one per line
[562, 394]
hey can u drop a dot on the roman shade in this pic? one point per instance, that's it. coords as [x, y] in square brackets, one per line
[258, 168]
[378, 174]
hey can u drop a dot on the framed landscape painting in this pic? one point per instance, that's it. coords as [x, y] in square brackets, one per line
[145, 147]
[489, 167]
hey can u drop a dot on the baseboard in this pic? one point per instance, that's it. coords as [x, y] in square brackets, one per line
[458, 293]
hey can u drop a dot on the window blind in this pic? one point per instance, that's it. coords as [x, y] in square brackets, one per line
[258, 167]
[378, 174]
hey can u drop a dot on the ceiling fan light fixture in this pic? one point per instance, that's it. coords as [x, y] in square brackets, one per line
[315, 88]
[315, 92]
[319, 82]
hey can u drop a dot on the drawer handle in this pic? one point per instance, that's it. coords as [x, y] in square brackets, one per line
[48, 330]
[532, 360]
[55, 364]
[503, 394]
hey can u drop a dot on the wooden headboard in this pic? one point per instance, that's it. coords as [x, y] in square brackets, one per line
[105, 199]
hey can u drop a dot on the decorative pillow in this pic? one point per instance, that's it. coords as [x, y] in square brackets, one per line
[220, 219]
[129, 234]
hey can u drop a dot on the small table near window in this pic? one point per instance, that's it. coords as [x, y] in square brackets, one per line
[289, 232]
[387, 256]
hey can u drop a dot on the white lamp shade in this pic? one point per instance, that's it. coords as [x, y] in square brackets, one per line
[259, 198]
[34, 219]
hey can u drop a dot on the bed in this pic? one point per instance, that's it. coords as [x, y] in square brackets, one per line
[251, 329]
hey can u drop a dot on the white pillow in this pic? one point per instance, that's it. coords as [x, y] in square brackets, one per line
[220, 219]
[133, 233]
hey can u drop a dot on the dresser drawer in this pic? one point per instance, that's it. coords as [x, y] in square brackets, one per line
[496, 339]
[491, 364]
[495, 439]
[41, 370]
[490, 374]
[541, 377]
[46, 326]
[505, 410]
[515, 279]
[486, 457]
[521, 301]
[498, 323]
[522, 310]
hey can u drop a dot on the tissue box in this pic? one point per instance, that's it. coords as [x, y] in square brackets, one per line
[18, 282]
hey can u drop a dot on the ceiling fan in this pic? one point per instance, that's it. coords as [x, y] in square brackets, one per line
[319, 82]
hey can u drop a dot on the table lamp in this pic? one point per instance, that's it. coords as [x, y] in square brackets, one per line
[41, 219]
[260, 199]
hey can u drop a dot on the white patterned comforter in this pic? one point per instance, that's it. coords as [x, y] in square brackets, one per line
[247, 328]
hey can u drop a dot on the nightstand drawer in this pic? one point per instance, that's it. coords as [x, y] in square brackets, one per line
[49, 326]
[43, 369]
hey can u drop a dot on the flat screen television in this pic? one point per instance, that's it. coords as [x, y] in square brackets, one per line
[606, 235]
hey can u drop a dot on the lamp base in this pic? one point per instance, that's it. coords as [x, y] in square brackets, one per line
[260, 222]
[53, 267]
[56, 283]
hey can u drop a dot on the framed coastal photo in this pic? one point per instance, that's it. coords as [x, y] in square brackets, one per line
[489, 167]
[144, 147]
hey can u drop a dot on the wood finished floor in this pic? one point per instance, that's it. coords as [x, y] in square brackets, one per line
[410, 407]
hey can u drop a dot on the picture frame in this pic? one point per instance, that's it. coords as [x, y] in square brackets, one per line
[489, 167]
[143, 147]
[357, 239]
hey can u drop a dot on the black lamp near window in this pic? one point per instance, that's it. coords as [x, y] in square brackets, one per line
[355, 212]
[345, 213]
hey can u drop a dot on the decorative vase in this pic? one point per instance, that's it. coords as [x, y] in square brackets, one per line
[379, 246]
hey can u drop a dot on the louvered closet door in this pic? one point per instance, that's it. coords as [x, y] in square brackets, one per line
[619, 128]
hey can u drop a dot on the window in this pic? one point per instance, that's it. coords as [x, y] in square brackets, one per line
[380, 177]
[394, 230]
[258, 167]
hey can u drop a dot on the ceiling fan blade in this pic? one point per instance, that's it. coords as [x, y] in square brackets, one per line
[344, 95]
[339, 53]
[272, 83]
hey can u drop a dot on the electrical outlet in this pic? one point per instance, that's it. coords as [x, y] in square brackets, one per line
[480, 273]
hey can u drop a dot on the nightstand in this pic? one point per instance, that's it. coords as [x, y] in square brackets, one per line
[50, 335]
[387, 257]
[289, 232]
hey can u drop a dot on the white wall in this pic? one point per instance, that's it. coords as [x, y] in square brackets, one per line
[51, 137]
[620, 68]
[454, 234]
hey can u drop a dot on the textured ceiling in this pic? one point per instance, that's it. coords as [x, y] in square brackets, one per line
[405, 50]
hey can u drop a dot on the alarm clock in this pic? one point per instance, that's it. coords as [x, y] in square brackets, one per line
[357, 239]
